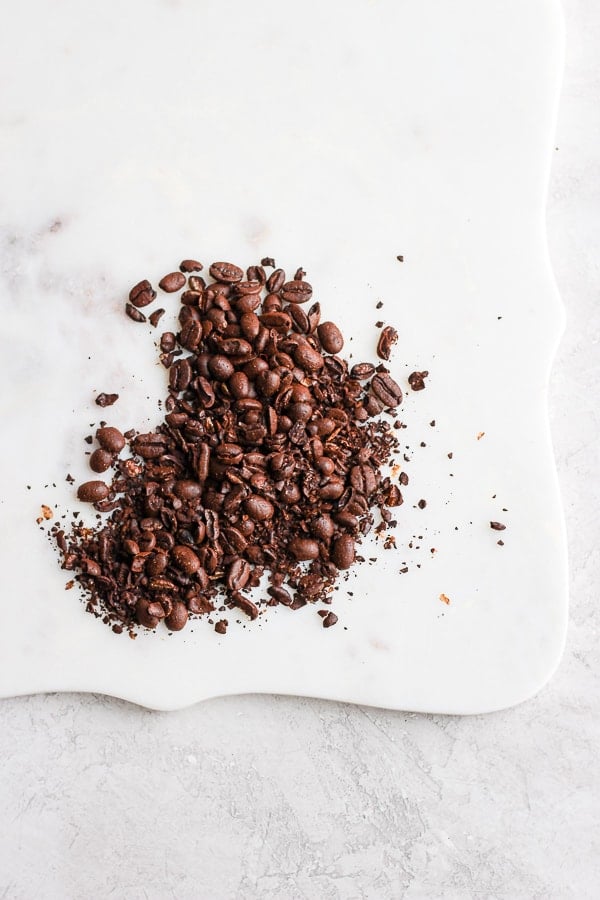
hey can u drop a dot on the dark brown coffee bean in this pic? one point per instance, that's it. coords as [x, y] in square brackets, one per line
[110, 439]
[417, 380]
[290, 493]
[180, 375]
[325, 465]
[205, 392]
[92, 491]
[362, 371]
[177, 618]
[308, 358]
[239, 385]
[347, 520]
[322, 527]
[299, 318]
[186, 489]
[331, 337]
[268, 383]
[314, 317]
[250, 325]
[255, 366]
[280, 595]
[343, 553]
[186, 559]
[363, 479]
[275, 281]
[235, 347]
[155, 317]
[142, 293]
[386, 390]
[190, 265]
[168, 341]
[101, 460]
[220, 367]
[304, 548]
[134, 313]
[191, 335]
[393, 497]
[226, 272]
[231, 454]
[103, 400]
[245, 288]
[238, 574]
[332, 489]
[245, 604]
[259, 508]
[296, 291]
[272, 303]
[143, 614]
[157, 563]
[387, 339]
[172, 282]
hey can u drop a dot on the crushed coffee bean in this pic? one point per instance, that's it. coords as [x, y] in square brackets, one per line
[106, 399]
[155, 317]
[269, 461]
[417, 380]
[497, 526]
[190, 265]
[387, 339]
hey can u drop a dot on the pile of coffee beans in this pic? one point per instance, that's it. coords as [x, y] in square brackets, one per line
[264, 475]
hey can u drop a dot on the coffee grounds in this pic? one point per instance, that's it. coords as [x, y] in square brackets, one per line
[268, 461]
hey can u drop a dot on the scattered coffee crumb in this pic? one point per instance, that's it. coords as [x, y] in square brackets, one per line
[497, 526]
[46, 514]
[106, 399]
[268, 261]
[400, 257]
[432, 423]
[500, 543]
[445, 599]
[417, 380]
[480, 435]
[379, 304]
[422, 504]
[379, 324]
[450, 455]
[221, 626]
[404, 570]
[69, 585]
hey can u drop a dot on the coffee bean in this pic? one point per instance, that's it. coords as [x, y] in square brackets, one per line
[259, 508]
[235, 347]
[332, 489]
[386, 390]
[322, 527]
[180, 375]
[308, 358]
[190, 265]
[417, 380]
[290, 493]
[178, 617]
[168, 342]
[155, 317]
[186, 559]
[280, 595]
[329, 619]
[363, 479]
[92, 491]
[231, 454]
[239, 385]
[275, 281]
[101, 460]
[296, 291]
[277, 319]
[142, 294]
[304, 548]
[110, 439]
[343, 552]
[268, 383]
[238, 574]
[362, 371]
[134, 313]
[186, 489]
[172, 282]
[330, 337]
[250, 325]
[220, 367]
[245, 604]
[300, 412]
[387, 339]
[226, 272]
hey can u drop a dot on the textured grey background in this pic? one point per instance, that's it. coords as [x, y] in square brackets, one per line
[267, 797]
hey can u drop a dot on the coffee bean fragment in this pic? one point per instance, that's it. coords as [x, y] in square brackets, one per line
[134, 313]
[221, 626]
[387, 339]
[268, 261]
[104, 400]
[497, 526]
[422, 504]
[155, 317]
[190, 265]
[172, 282]
[329, 619]
[417, 380]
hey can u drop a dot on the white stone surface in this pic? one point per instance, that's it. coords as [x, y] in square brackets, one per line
[266, 797]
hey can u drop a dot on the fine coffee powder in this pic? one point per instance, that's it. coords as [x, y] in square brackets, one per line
[265, 473]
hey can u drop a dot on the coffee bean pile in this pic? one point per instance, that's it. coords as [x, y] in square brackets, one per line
[268, 461]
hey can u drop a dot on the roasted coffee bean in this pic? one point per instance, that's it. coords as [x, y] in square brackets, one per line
[220, 367]
[296, 291]
[275, 281]
[363, 479]
[92, 491]
[176, 620]
[386, 390]
[185, 559]
[417, 380]
[304, 548]
[259, 508]
[238, 574]
[329, 619]
[332, 489]
[180, 375]
[168, 341]
[105, 400]
[280, 595]
[134, 313]
[343, 552]
[226, 272]
[231, 454]
[191, 335]
[250, 325]
[299, 318]
[172, 282]
[256, 273]
[387, 339]
[142, 294]
[325, 465]
[497, 526]
[235, 347]
[155, 317]
[245, 288]
[362, 371]
[268, 383]
[186, 489]
[314, 316]
[239, 385]
[308, 358]
[331, 337]
[190, 265]
[110, 439]
[322, 527]
[272, 303]
[101, 460]
[300, 412]
[290, 493]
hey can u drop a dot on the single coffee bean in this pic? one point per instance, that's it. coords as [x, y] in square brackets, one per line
[186, 489]
[245, 288]
[235, 347]
[268, 383]
[296, 291]
[322, 527]
[190, 265]
[326, 465]
[314, 317]
[172, 282]
[308, 358]
[250, 325]
[101, 460]
[168, 341]
[299, 318]
[272, 303]
[304, 548]
[259, 508]
[239, 385]
[343, 552]
[142, 294]
[238, 574]
[300, 412]
[226, 272]
[331, 337]
[220, 367]
[155, 317]
[290, 493]
[186, 559]
[191, 335]
[231, 454]
[134, 313]
[332, 489]
[280, 595]
[110, 439]
[275, 281]
[329, 619]
[177, 618]
[92, 491]
[387, 339]
[300, 393]
[362, 371]
[386, 390]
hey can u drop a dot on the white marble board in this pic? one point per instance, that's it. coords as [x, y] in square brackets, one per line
[336, 136]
